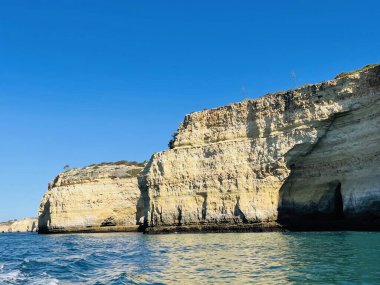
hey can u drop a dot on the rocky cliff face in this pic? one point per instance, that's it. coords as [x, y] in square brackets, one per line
[97, 198]
[19, 226]
[306, 156]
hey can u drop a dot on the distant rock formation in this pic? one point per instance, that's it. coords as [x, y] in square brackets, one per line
[97, 198]
[19, 226]
[307, 158]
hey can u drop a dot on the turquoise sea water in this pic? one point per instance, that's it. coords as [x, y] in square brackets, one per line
[235, 258]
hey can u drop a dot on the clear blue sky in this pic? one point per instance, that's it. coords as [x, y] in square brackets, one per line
[83, 82]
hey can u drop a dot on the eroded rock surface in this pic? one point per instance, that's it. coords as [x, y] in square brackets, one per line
[19, 226]
[311, 154]
[97, 198]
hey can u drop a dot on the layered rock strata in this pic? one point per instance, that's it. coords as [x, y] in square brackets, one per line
[97, 198]
[308, 156]
[19, 226]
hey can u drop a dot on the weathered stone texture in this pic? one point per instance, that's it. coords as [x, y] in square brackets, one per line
[97, 198]
[19, 226]
[311, 151]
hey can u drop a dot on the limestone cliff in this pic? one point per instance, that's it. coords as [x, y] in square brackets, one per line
[309, 154]
[97, 198]
[19, 226]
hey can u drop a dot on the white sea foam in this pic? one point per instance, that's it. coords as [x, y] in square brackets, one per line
[45, 281]
[15, 276]
[10, 276]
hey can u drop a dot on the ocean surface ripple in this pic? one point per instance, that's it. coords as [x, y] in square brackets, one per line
[235, 258]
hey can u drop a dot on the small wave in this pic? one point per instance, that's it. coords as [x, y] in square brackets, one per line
[51, 281]
[10, 276]
[16, 276]
[43, 279]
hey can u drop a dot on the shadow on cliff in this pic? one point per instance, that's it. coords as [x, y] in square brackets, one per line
[308, 200]
[143, 203]
[313, 197]
[44, 219]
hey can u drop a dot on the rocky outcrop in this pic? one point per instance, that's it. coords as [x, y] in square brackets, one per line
[97, 198]
[305, 157]
[19, 226]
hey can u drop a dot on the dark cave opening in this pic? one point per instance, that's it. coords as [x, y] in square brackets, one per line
[325, 212]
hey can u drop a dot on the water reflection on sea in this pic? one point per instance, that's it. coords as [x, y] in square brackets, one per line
[235, 258]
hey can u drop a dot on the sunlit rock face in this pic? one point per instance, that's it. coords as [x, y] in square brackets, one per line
[19, 226]
[97, 198]
[338, 179]
[310, 152]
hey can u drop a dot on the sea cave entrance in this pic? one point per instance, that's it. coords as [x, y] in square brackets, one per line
[312, 206]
